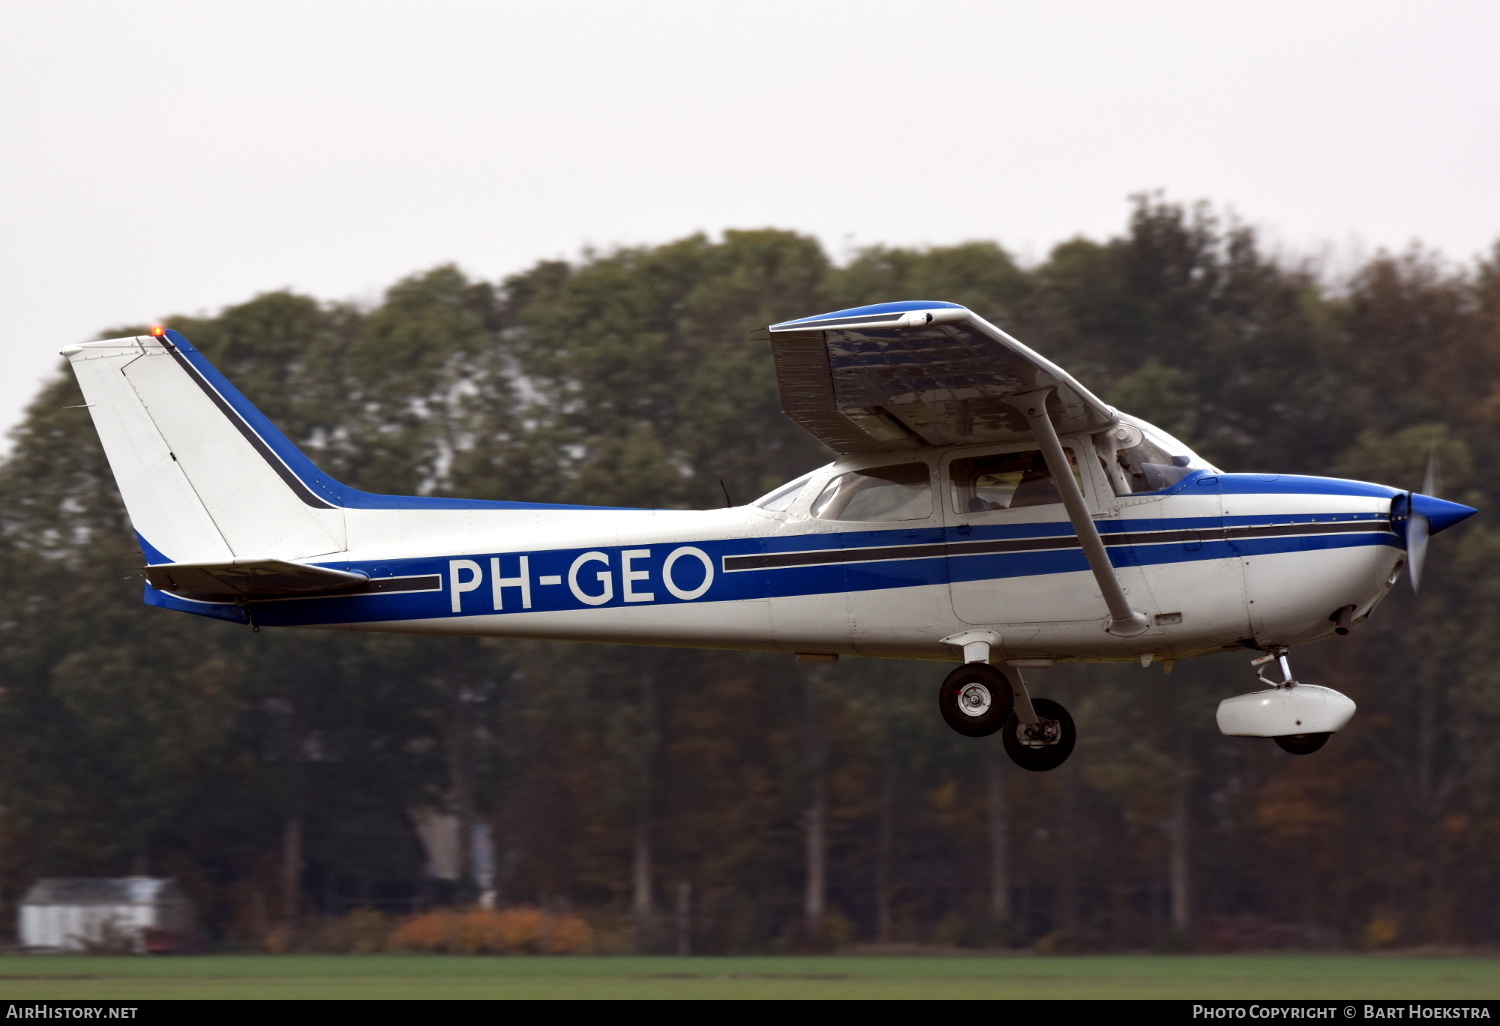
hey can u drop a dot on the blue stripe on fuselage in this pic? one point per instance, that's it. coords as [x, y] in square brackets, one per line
[770, 583]
[1299, 484]
[828, 578]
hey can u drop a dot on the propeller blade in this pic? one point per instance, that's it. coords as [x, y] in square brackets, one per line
[1418, 529]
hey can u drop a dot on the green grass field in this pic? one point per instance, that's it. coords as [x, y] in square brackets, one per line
[839, 976]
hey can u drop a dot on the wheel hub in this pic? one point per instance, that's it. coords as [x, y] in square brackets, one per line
[974, 699]
[1040, 734]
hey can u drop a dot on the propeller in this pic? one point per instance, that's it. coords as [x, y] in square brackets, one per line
[1419, 527]
[1421, 514]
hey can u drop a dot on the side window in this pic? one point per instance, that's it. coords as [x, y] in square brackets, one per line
[1005, 480]
[902, 492]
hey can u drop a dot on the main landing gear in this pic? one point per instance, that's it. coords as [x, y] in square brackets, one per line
[978, 699]
[1043, 744]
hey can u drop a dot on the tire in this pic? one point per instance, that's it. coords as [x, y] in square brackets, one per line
[975, 699]
[1301, 744]
[1039, 758]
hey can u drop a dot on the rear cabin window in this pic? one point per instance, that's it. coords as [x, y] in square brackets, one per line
[1005, 480]
[779, 500]
[902, 492]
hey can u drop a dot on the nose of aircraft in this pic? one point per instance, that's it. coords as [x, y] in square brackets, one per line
[1440, 513]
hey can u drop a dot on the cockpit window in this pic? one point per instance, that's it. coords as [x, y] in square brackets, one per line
[1136, 461]
[1005, 480]
[902, 492]
[779, 500]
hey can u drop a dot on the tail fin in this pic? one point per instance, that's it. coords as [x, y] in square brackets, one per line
[205, 477]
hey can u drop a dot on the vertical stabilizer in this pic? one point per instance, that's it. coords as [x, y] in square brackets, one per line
[201, 483]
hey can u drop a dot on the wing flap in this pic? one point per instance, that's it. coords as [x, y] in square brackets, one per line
[249, 579]
[807, 397]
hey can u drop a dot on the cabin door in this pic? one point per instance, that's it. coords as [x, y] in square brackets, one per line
[1012, 555]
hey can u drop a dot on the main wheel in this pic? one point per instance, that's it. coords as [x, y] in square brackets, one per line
[1045, 744]
[975, 699]
[1301, 744]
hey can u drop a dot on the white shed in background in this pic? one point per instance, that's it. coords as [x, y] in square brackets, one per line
[134, 913]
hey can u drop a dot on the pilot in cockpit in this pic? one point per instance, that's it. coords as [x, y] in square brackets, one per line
[1037, 487]
[1005, 480]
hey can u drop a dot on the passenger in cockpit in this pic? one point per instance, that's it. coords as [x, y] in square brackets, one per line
[1036, 487]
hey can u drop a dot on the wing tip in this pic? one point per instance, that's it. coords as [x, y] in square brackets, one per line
[897, 314]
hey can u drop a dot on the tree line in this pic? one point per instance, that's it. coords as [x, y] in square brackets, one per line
[716, 801]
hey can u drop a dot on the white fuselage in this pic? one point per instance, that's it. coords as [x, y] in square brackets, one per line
[1215, 561]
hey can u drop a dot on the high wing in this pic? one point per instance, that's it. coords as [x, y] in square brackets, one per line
[901, 375]
[249, 579]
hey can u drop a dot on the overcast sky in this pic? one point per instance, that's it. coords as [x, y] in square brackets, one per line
[177, 157]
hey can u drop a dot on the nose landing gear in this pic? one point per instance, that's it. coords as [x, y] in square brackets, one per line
[1298, 717]
[1301, 744]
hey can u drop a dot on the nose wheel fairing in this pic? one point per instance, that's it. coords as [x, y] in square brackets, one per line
[1298, 717]
[1283, 712]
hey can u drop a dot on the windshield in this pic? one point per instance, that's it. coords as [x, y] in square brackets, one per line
[1139, 457]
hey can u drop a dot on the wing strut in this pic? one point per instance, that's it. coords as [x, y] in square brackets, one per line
[1124, 621]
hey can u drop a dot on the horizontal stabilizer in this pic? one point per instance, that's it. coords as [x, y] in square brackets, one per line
[249, 579]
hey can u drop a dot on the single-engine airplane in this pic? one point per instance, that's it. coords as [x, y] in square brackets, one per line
[983, 507]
